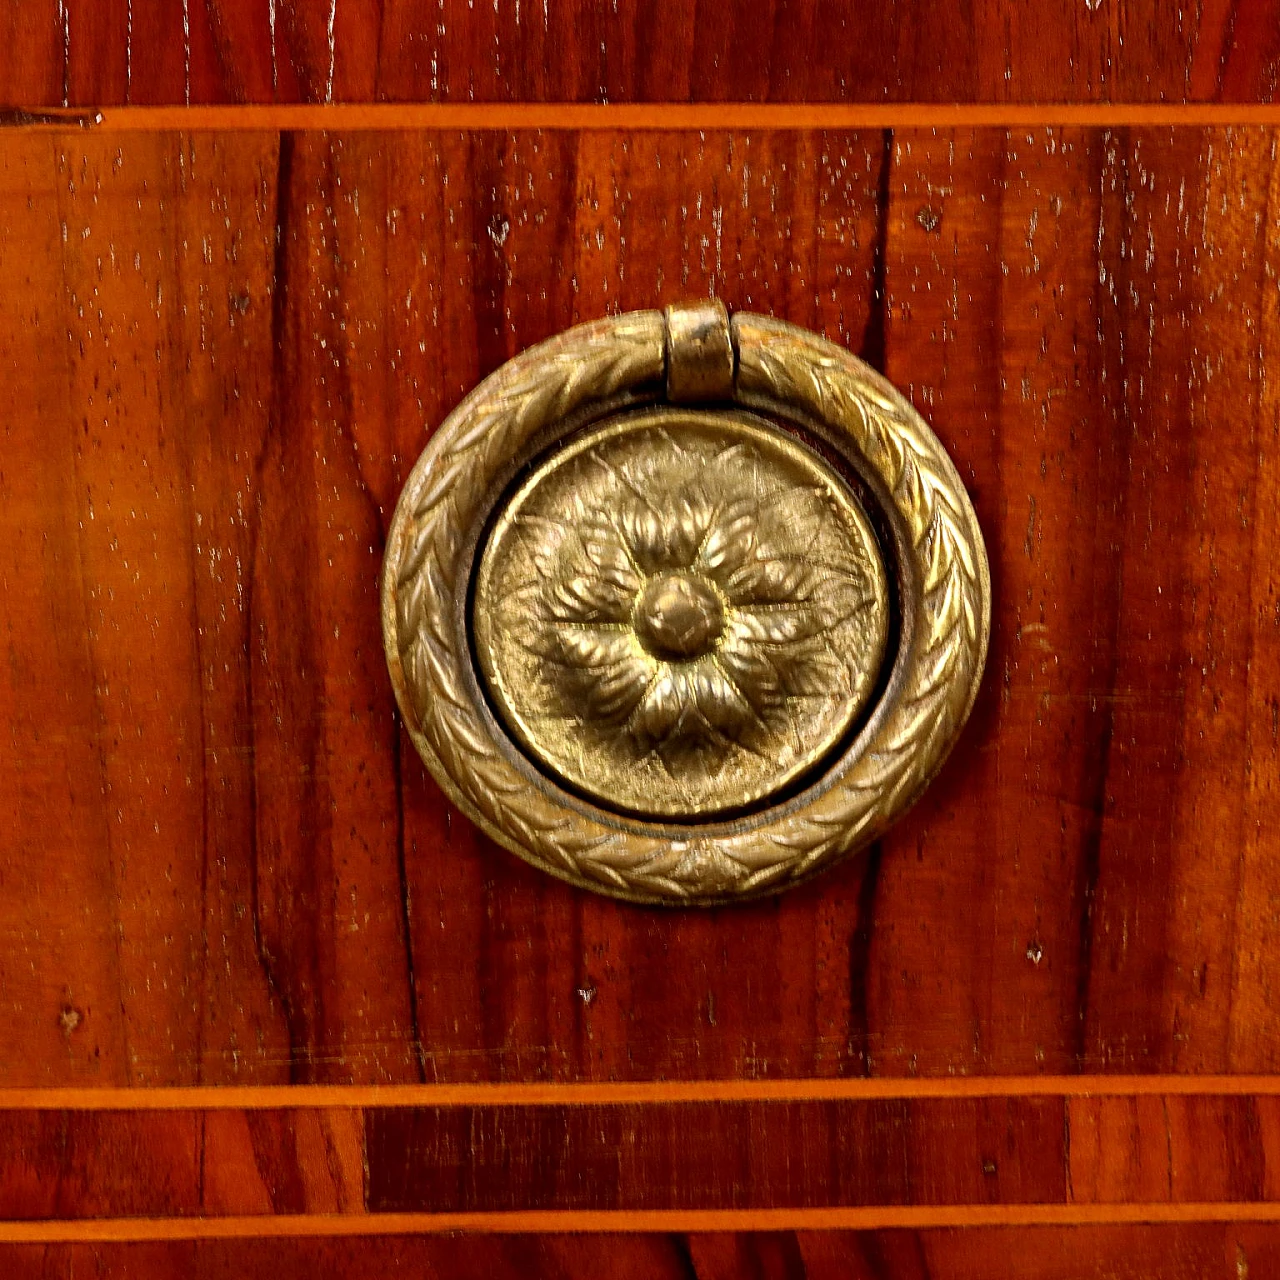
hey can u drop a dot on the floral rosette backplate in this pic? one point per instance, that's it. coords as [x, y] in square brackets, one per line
[681, 613]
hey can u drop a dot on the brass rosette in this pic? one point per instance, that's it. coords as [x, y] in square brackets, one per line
[683, 608]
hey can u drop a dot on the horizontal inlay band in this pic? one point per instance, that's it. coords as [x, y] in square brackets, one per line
[553, 1221]
[640, 1093]
[641, 117]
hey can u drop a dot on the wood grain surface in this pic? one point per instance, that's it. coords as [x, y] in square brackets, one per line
[102, 52]
[220, 859]
[1193, 1156]
[1200, 1252]
[224, 338]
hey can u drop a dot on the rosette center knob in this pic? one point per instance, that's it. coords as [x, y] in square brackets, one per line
[678, 616]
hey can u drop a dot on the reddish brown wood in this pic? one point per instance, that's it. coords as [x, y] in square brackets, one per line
[85, 1164]
[716, 1156]
[1199, 1252]
[170, 51]
[1160, 1149]
[1192, 1152]
[140, 839]
[1071, 323]
[220, 859]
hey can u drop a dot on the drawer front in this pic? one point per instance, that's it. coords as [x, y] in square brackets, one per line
[224, 863]
[270, 1005]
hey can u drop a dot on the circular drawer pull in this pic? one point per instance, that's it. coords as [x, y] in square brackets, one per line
[682, 608]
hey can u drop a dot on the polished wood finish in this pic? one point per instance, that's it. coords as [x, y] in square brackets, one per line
[220, 860]
[1186, 1156]
[1207, 1251]
[226, 336]
[147, 51]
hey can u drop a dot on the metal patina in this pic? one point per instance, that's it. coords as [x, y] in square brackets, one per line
[684, 608]
[681, 612]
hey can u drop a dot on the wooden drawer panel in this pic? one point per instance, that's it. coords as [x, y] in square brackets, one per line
[183, 51]
[225, 334]
[220, 859]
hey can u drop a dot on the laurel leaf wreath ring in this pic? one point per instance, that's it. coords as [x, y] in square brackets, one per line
[685, 634]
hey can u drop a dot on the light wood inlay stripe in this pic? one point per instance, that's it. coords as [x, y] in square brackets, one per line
[633, 1093]
[643, 117]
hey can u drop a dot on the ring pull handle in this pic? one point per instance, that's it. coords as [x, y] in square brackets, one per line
[684, 607]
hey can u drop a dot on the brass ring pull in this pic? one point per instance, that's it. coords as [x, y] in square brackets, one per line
[682, 608]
